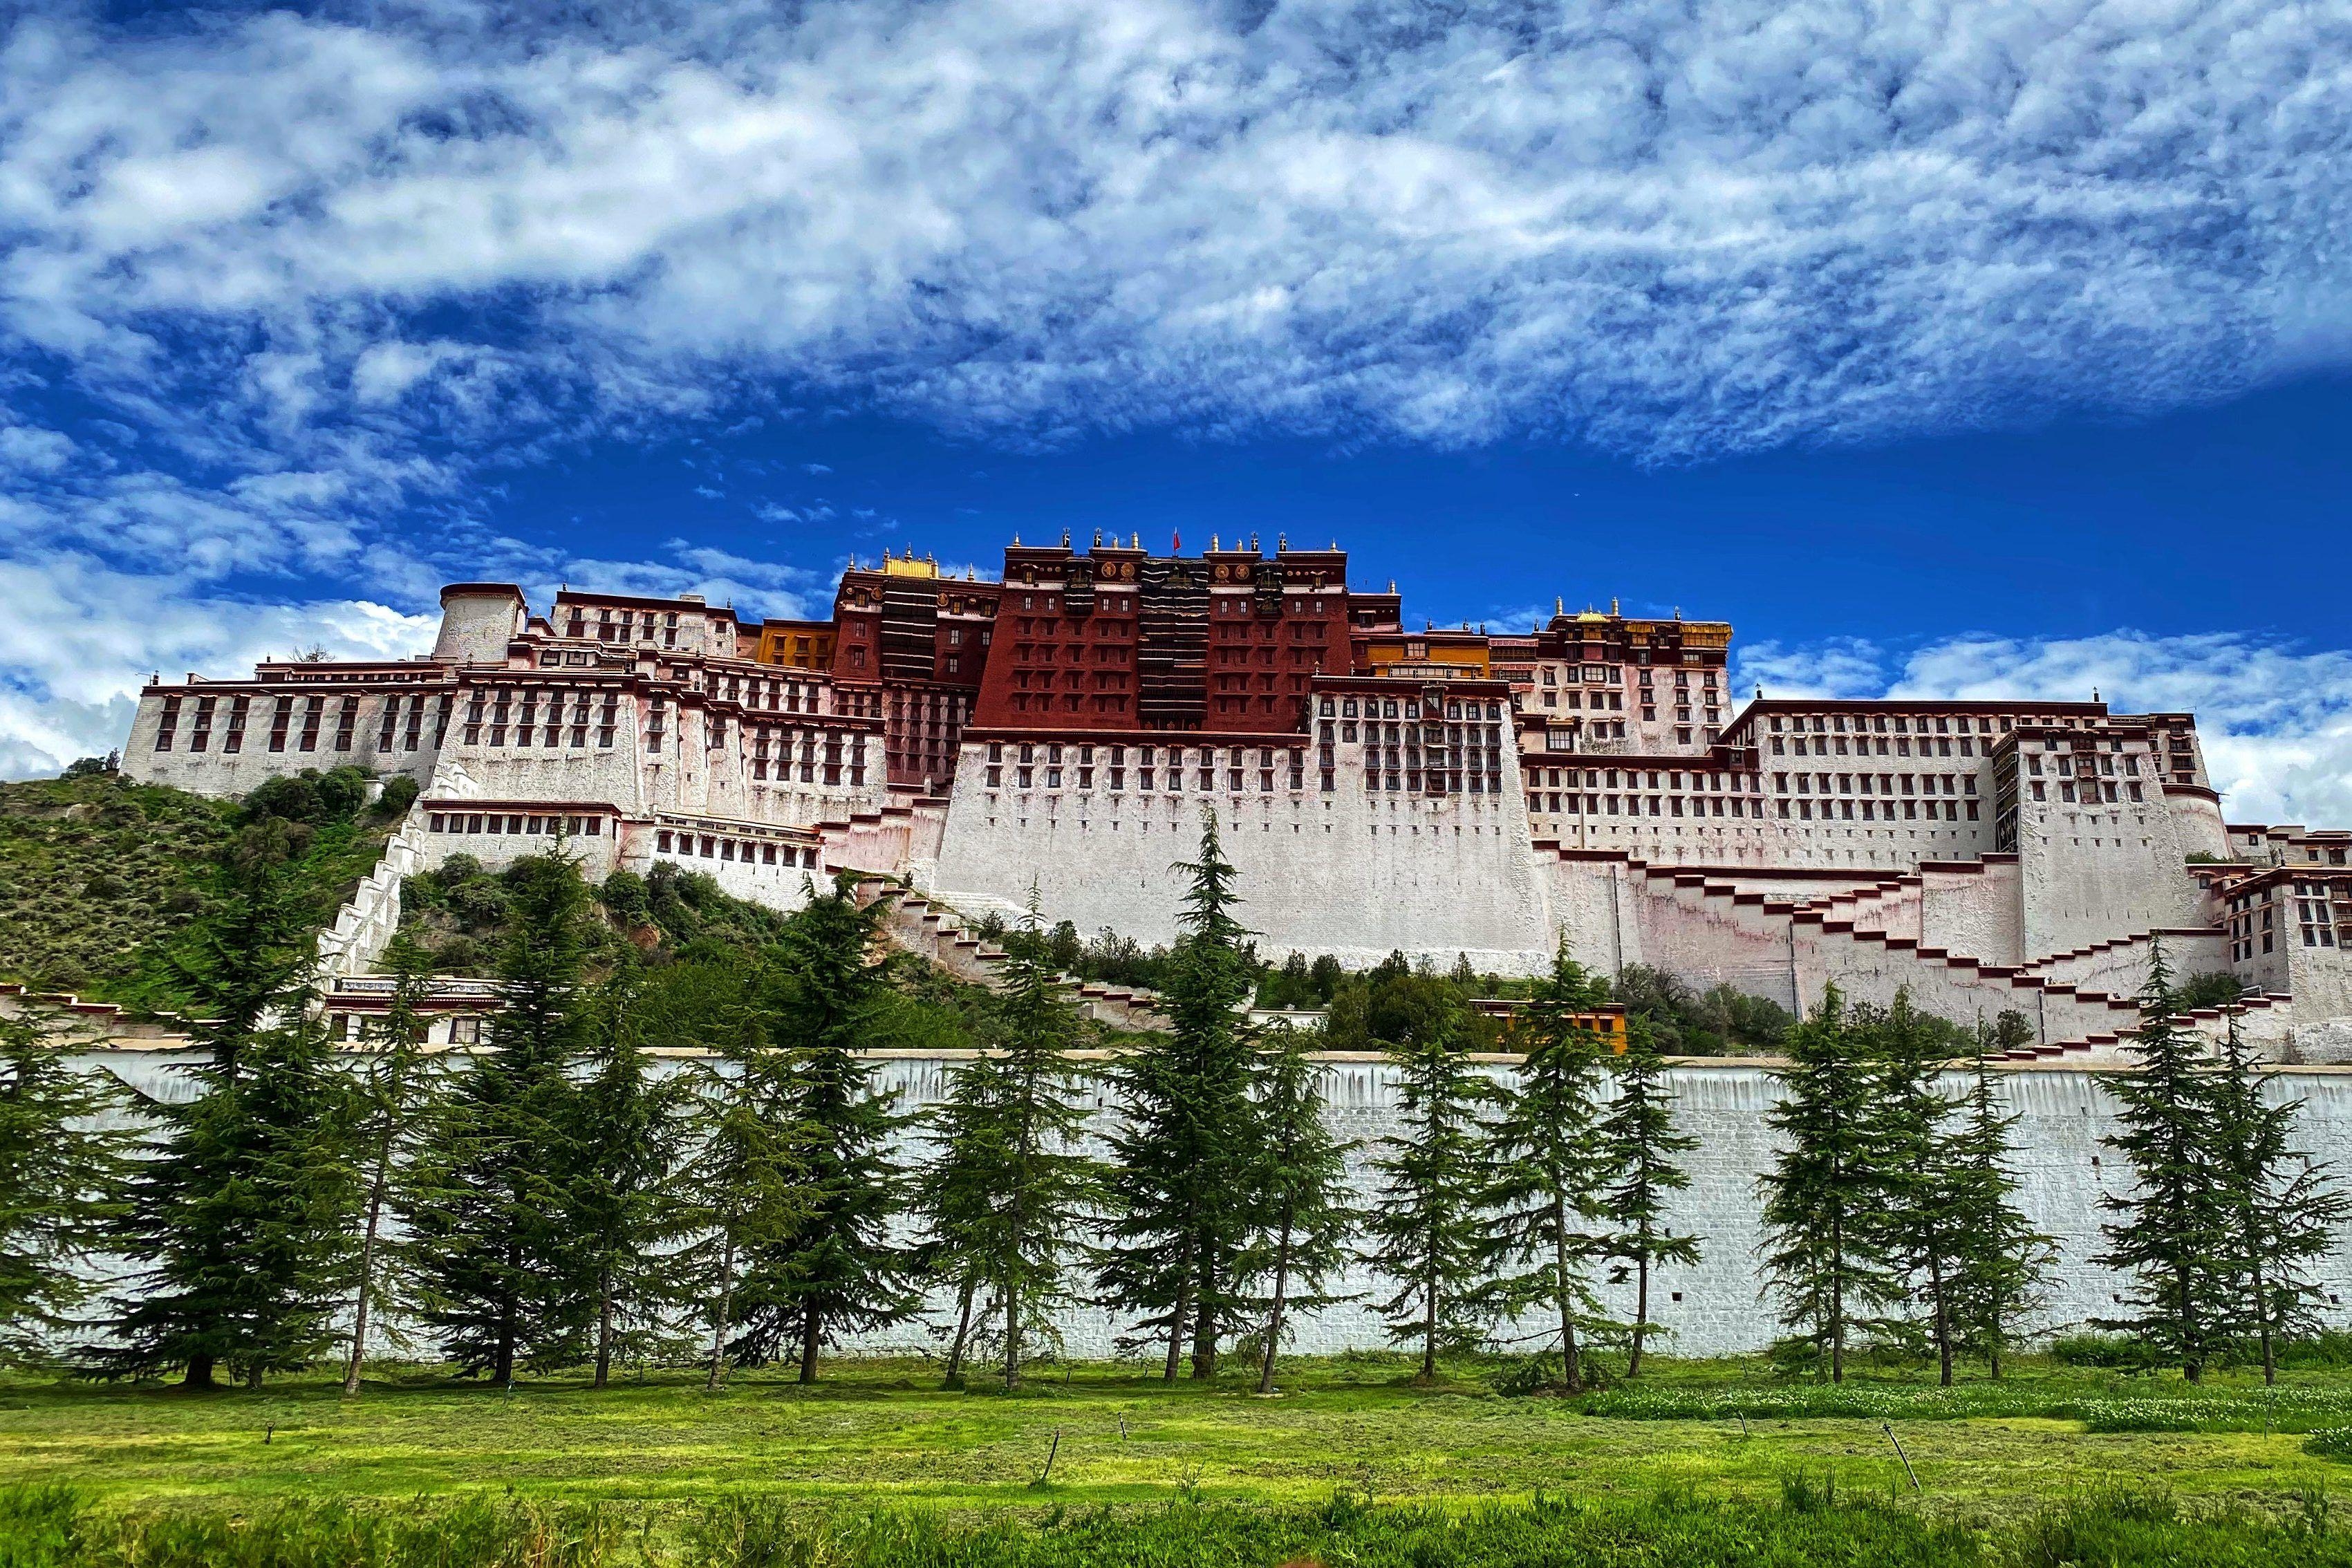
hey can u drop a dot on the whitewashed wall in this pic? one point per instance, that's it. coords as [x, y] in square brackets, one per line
[2065, 1173]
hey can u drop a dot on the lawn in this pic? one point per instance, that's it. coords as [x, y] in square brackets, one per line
[884, 1432]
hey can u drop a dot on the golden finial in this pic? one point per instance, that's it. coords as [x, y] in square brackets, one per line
[1612, 603]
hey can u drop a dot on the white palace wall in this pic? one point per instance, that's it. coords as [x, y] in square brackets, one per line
[1714, 1308]
[1344, 872]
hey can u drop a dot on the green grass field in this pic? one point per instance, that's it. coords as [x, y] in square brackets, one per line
[884, 1432]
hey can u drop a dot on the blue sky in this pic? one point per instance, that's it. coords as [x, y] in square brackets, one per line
[1943, 350]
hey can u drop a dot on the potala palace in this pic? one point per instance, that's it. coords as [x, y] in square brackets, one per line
[1440, 792]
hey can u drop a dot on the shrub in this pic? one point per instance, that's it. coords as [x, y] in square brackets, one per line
[2330, 1443]
[623, 897]
[400, 793]
[2116, 1352]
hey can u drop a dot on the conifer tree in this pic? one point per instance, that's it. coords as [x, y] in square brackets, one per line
[1305, 1225]
[1022, 1181]
[1547, 1153]
[626, 1204]
[1920, 1225]
[1825, 1255]
[1186, 1150]
[838, 1270]
[2002, 1257]
[953, 1197]
[742, 1192]
[1638, 1145]
[1431, 1233]
[2175, 1238]
[2286, 1211]
[59, 1178]
[391, 1099]
[502, 1279]
[232, 1221]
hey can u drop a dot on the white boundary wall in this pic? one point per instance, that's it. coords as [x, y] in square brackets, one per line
[2064, 1171]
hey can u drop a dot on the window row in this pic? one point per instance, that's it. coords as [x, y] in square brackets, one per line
[747, 851]
[514, 824]
[299, 723]
[547, 719]
[1550, 804]
[1456, 708]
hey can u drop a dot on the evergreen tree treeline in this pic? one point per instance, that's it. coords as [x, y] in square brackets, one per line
[558, 1197]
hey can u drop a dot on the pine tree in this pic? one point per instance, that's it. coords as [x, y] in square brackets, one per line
[954, 1196]
[59, 1179]
[743, 1191]
[392, 1098]
[837, 1271]
[1018, 1158]
[1638, 1145]
[626, 1208]
[1304, 1226]
[1824, 1255]
[1920, 1224]
[2002, 1257]
[1546, 1150]
[1186, 1150]
[232, 1221]
[1431, 1232]
[2286, 1211]
[2175, 1237]
[502, 1279]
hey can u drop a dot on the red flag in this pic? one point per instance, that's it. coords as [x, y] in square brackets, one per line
[1175, 542]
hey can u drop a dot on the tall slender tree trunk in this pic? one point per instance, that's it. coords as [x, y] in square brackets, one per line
[812, 1334]
[962, 1334]
[1273, 1320]
[367, 1270]
[718, 1318]
[2263, 1322]
[1571, 1359]
[1837, 1321]
[1204, 1319]
[2192, 1360]
[1641, 1305]
[502, 1361]
[603, 1325]
[1012, 1336]
[1178, 1317]
[1429, 1320]
[1943, 1320]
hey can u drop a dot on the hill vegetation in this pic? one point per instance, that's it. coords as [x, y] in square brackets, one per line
[100, 877]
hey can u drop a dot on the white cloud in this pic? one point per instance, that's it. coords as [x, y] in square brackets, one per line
[1675, 230]
[2276, 719]
[79, 638]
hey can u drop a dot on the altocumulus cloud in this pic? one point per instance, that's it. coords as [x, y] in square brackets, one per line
[293, 263]
[2276, 719]
[1675, 230]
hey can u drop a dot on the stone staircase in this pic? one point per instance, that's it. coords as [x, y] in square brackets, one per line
[931, 930]
[1790, 949]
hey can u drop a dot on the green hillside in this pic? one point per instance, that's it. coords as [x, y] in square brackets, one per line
[98, 875]
[95, 873]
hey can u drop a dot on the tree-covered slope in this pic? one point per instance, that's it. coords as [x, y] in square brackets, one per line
[99, 875]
